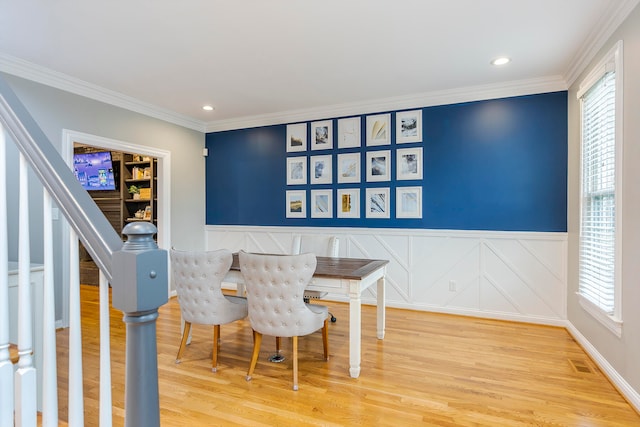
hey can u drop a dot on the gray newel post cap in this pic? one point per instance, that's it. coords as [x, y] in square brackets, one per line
[140, 271]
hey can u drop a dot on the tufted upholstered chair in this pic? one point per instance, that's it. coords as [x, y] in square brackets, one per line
[197, 277]
[320, 245]
[275, 287]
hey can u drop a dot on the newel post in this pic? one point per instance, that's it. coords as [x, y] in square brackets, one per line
[140, 287]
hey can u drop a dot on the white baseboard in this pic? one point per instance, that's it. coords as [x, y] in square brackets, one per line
[631, 395]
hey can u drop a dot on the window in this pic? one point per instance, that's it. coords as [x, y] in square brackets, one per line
[600, 220]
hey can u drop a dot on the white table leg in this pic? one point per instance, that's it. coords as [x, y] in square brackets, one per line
[381, 308]
[355, 325]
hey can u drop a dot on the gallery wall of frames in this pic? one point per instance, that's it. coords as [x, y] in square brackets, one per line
[487, 165]
[310, 144]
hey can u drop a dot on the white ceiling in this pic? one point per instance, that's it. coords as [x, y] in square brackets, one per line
[259, 61]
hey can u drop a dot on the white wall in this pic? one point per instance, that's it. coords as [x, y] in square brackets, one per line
[504, 275]
[620, 357]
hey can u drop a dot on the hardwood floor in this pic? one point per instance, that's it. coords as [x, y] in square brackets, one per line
[431, 369]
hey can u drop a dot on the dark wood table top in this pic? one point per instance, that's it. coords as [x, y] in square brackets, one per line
[343, 268]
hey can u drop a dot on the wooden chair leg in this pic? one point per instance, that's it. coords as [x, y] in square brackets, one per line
[295, 363]
[325, 339]
[278, 341]
[257, 340]
[183, 343]
[216, 348]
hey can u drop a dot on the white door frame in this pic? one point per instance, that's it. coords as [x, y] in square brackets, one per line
[164, 194]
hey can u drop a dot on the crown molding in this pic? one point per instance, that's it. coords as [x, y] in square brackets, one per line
[36, 73]
[452, 96]
[603, 30]
[27, 70]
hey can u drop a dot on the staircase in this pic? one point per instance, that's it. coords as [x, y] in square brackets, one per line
[136, 271]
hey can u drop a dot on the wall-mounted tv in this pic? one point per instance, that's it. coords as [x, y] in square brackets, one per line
[94, 170]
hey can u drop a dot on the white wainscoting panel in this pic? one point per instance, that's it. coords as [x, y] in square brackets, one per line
[517, 276]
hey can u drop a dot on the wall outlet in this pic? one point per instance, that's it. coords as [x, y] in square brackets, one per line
[452, 285]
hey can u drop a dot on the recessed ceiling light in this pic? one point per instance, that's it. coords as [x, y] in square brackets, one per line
[207, 108]
[501, 61]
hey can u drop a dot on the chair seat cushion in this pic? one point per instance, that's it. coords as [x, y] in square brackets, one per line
[319, 309]
[236, 300]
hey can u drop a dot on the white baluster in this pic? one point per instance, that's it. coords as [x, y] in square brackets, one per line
[105, 355]
[49, 368]
[25, 376]
[76, 405]
[6, 367]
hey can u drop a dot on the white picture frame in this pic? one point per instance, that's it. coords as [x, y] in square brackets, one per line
[377, 203]
[408, 126]
[296, 137]
[409, 163]
[321, 203]
[322, 135]
[348, 168]
[378, 129]
[297, 170]
[349, 133]
[408, 202]
[296, 204]
[348, 203]
[378, 166]
[321, 169]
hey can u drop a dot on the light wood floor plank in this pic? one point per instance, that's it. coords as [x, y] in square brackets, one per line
[431, 369]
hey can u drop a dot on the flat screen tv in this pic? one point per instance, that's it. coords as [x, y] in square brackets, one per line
[94, 170]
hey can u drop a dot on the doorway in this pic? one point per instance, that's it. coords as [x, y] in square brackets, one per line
[163, 157]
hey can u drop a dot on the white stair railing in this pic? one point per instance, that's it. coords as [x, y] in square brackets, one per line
[137, 271]
[76, 405]
[6, 367]
[21, 385]
[49, 358]
[32, 383]
[25, 376]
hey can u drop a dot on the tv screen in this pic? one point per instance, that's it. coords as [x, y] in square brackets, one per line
[94, 170]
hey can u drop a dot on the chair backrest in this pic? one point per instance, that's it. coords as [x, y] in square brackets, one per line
[197, 277]
[318, 244]
[275, 288]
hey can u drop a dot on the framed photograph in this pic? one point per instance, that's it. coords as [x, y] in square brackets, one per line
[409, 163]
[409, 202]
[297, 137]
[377, 203]
[321, 204]
[348, 203]
[297, 170]
[349, 167]
[378, 132]
[321, 170]
[322, 135]
[349, 133]
[147, 213]
[296, 204]
[378, 165]
[409, 126]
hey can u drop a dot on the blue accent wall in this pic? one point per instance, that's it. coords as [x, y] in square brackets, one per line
[488, 165]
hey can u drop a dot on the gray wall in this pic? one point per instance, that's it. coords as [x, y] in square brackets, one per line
[55, 110]
[622, 353]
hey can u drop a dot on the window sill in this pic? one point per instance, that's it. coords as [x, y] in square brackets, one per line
[611, 323]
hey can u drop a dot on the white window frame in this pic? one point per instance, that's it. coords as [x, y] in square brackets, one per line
[611, 61]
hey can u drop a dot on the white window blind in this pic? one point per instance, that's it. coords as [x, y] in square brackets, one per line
[598, 213]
